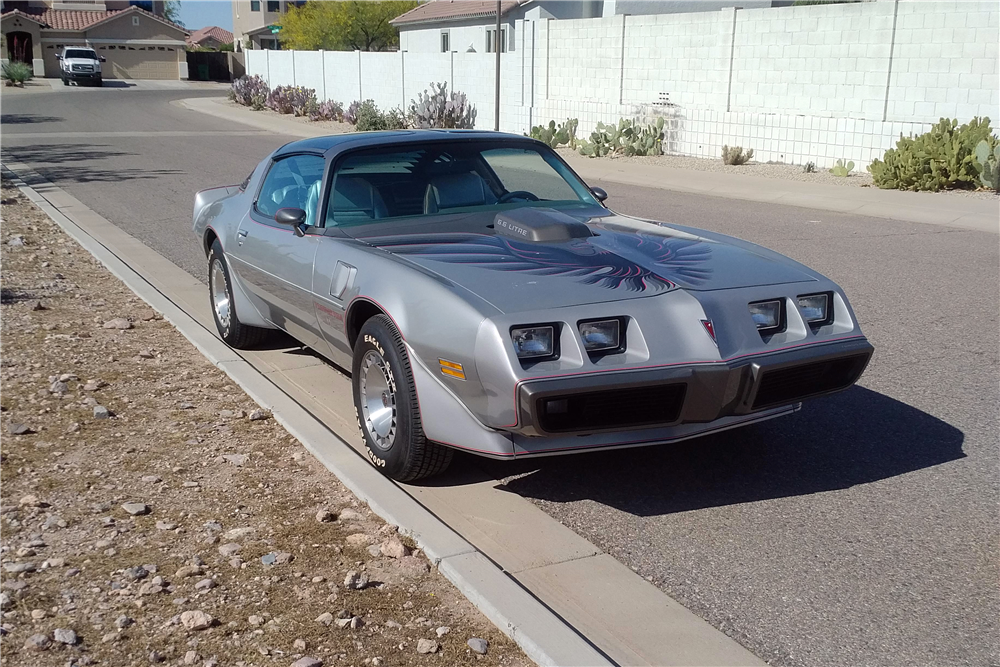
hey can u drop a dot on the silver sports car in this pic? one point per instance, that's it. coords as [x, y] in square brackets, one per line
[486, 300]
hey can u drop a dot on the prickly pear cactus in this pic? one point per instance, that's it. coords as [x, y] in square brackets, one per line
[987, 164]
[841, 169]
[439, 109]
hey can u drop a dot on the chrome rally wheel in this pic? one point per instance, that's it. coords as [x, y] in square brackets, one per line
[220, 293]
[378, 399]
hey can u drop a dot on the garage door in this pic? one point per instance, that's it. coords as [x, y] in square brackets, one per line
[139, 62]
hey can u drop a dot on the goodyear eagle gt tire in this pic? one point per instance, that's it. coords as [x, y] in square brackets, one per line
[220, 291]
[386, 403]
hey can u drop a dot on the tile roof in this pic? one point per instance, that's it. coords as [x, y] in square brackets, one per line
[221, 35]
[77, 20]
[453, 10]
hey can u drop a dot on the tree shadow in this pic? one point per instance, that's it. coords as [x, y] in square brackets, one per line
[77, 163]
[27, 118]
[855, 437]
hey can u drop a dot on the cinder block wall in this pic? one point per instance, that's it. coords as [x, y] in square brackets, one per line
[796, 84]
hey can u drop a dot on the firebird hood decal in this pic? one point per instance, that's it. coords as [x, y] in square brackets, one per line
[605, 260]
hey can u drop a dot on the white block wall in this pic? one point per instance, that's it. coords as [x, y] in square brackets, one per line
[796, 84]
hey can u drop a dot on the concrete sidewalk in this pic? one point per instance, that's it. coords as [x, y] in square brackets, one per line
[981, 214]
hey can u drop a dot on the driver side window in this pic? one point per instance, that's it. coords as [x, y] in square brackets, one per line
[292, 182]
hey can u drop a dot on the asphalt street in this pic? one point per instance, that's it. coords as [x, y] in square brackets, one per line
[861, 531]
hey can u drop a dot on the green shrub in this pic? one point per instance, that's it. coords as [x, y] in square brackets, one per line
[370, 118]
[735, 155]
[626, 138]
[841, 169]
[554, 136]
[943, 158]
[15, 74]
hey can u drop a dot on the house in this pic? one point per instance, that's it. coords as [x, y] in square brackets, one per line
[135, 38]
[470, 25]
[211, 37]
[253, 21]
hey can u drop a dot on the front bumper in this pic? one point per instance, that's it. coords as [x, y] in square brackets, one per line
[89, 76]
[691, 393]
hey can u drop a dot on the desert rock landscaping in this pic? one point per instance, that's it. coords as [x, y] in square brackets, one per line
[151, 513]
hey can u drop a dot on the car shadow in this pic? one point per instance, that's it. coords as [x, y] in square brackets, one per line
[855, 437]
[77, 163]
[26, 118]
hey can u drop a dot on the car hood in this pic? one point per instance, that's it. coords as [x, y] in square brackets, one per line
[625, 258]
[80, 61]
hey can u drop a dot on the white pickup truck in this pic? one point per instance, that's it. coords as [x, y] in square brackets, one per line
[80, 63]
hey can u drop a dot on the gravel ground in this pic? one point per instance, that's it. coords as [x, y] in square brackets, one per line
[332, 126]
[152, 513]
[787, 172]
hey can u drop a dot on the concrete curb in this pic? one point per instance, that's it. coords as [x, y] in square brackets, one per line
[541, 634]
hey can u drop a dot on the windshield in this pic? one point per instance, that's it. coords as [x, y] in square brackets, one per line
[81, 53]
[441, 178]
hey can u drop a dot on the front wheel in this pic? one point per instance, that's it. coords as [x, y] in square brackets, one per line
[99, 82]
[220, 288]
[385, 399]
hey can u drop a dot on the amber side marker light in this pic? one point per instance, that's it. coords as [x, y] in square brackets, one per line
[452, 369]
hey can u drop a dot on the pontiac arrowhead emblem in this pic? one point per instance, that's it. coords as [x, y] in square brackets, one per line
[710, 328]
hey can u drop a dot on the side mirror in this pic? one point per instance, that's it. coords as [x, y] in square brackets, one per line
[293, 217]
[103, 59]
[58, 56]
[599, 193]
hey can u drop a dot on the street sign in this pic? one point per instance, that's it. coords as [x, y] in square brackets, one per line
[275, 29]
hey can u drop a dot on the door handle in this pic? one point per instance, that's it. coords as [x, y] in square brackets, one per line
[240, 236]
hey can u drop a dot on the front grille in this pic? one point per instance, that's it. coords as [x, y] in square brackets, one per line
[83, 68]
[611, 408]
[790, 385]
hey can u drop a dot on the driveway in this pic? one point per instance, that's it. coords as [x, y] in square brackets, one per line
[862, 530]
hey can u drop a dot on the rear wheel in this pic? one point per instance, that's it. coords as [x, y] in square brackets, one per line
[386, 402]
[220, 288]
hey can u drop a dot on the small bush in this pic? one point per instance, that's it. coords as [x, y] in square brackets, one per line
[292, 99]
[328, 110]
[250, 91]
[351, 115]
[809, 167]
[15, 74]
[439, 109]
[394, 119]
[943, 158]
[735, 155]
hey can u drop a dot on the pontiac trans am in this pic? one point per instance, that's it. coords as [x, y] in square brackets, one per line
[486, 300]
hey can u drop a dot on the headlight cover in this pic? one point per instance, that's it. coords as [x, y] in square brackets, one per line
[767, 316]
[600, 335]
[815, 308]
[534, 342]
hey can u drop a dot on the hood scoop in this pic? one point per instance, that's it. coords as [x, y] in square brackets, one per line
[540, 225]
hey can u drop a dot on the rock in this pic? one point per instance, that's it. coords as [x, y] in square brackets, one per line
[109, 637]
[359, 540]
[18, 568]
[37, 614]
[136, 509]
[37, 642]
[205, 584]
[394, 548]
[350, 515]
[146, 354]
[326, 618]
[478, 645]
[65, 636]
[184, 405]
[31, 501]
[355, 581]
[374, 550]
[393, 624]
[73, 428]
[123, 622]
[6, 601]
[354, 622]
[191, 484]
[308, 662]
[299, 644]
[101, 412]
[277, 558]
[259, 415]
[37, 305]
[190, 657]
[53, 562]
[188, 571]
[196, 620]
[235, 459]
[325, 516]
[442, 631]
[228, 550]
[19, 429]
[94, 385]
[136, 573]
[16, 241]
[151, 588]
[58, 388]
[166, 525]
[156, 657]
[237, 533]
[54, 521]
[255, 620]
[151, 479]
[117, 323]
[427, 646]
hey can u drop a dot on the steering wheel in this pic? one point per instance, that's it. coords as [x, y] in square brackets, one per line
[517, 194]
